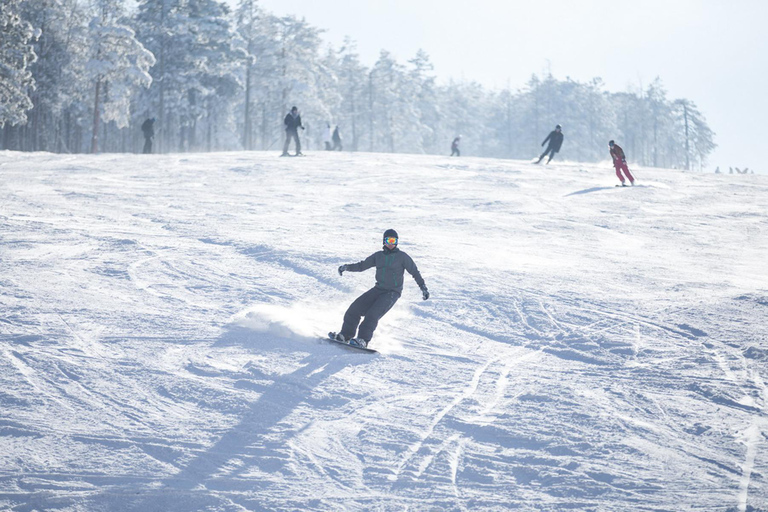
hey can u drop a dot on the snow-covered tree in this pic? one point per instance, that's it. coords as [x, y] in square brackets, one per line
[118, 66]
[353, 84]
[16, 55]
[699, 138]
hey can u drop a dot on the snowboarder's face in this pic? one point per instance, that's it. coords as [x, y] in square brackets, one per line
[390, 242]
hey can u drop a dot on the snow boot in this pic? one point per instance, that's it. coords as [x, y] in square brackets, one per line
[359, 342]
[338, 337]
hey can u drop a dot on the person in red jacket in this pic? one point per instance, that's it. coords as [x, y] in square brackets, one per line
[620, 163]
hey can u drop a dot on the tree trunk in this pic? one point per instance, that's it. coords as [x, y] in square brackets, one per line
[370, 111]
[95, 136]
[247, 145]
[687, 148]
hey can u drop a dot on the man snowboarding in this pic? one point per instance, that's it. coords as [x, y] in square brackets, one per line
[620, 163]
[390, 263]
[327, 137]
[148, 128]
[455, 146]
[555, 139]
[292, 124]
[336, 139]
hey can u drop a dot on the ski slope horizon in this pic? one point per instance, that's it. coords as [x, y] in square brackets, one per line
[585, 347]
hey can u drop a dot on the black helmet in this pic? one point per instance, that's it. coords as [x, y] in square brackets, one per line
[390, 233]
[610, 143]
[558, 127]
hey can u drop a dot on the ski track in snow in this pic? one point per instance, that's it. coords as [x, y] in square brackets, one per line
[586, 347]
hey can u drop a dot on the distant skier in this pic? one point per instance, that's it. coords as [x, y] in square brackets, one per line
[292, 124]
[148, 128]
[555, 139]
[455, 146]
[390, 263]
[620, 163]
[336, 139]
[327, 137]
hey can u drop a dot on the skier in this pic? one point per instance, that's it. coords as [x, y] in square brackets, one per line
[555, 139]
[620, 163]
[148, 128]
[390, 263]
[455, 146]
[336, 139]
[292, 124]
[327, 137]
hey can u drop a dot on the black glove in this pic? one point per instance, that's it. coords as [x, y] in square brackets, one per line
[302, 127]
[424, 292]
[342, 269]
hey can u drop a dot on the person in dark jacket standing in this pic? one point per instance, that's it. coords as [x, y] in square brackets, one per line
[292, 124]
[455, 146]
[148, 128]
[391, 263]
[620, 163]
[336, 137]
[555, 139]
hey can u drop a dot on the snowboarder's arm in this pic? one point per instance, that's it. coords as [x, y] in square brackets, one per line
[548, 137]
[410, 266]
[360, 266]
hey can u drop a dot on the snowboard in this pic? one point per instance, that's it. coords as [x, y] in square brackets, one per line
[333, 339]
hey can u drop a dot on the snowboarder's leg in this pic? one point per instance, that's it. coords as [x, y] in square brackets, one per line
[626, 171]
[551, 154]
[377, 310]
[356, 311]
[618, 172]
[298, 142]
[287, 142]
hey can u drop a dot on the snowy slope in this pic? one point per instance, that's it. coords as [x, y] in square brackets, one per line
[586, 347]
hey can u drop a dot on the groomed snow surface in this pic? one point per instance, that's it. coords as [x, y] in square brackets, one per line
[586, 347]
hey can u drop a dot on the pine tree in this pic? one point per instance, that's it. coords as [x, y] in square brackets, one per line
[16, 55]
[353, 80]
[118, 65]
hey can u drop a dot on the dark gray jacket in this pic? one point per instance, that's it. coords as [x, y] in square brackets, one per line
[390, 269]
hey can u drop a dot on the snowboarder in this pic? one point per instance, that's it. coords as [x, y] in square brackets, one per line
[148, 128]
[327, 137]
[455, 146]
[336, 139]
[555, 139]
[390, 263]
[620, 163]
[292, 124]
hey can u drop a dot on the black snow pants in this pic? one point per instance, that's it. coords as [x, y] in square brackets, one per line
[551, 152]
[291, 134]
[147, 145]
[372, 305]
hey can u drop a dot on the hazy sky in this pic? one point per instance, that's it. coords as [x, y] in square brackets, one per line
[714, 52]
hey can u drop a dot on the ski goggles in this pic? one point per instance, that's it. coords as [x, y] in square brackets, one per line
[390, 240]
